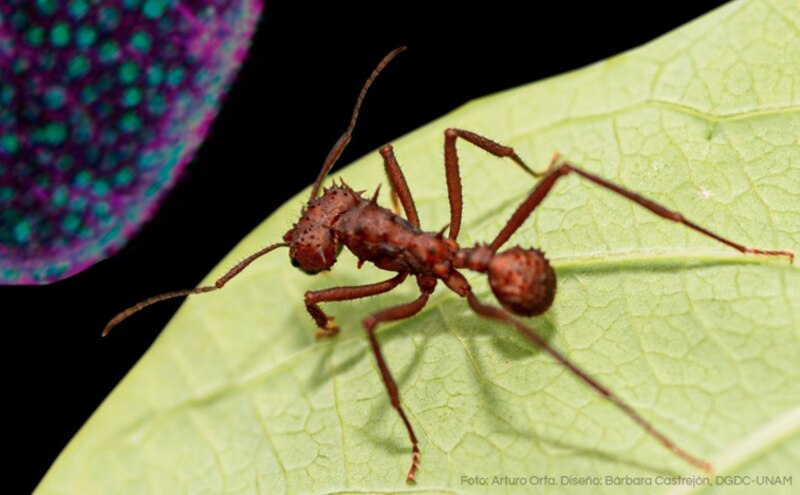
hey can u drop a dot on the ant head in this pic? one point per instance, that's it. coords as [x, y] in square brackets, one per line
[312, 249]
[313, 243]
[522, 280]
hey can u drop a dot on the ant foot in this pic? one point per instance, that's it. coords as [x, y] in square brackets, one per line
[412, 473]
[331, 330]
[557, 157]
[773, 252]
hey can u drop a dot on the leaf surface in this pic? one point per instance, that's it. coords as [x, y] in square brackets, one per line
[236, 396]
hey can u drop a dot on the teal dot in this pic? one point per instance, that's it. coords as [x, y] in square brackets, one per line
[53, 133]
[130, 122]
[108, 52]
[154, 8]
[108, 136]
[22, 230]
[123, 177]
[104, 109]
[18, 18]
[101, 187]
[60, 34]
[43, 156]
[43, 181]
[88, 94]
[79, 203]
[131, 97]
[109, 18]
[112, 233]
[35, 35]
[175, 77]
[78, 8]
[82, 131]
[20, 65]
[57, 271]
[47, 60]
[47, 7]
[155, 76]
[157, 104]
[102, 210]
[71, 223]
[10, 143]
[64, 163]
[60, 196]
[78, 66]
[82, 178]
[93, 153]
[148, 160]
[6, 193]
[85, 36]
[110, 162]
[55, 97]
[128, 72]
[142, 41]
[6, 94]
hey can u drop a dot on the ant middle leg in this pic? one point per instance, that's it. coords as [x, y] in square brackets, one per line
[544, 186]
[370, 323]
[453, 176]
[327, 327]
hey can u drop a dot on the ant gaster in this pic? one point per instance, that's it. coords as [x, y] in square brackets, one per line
[521, 279]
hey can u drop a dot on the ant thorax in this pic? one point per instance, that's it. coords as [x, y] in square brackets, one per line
[377, 235]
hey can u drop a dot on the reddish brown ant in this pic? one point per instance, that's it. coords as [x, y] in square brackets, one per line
[521, 278]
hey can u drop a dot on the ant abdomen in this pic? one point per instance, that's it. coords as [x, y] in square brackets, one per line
[522, 280]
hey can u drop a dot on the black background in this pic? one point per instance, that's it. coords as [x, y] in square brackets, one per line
[291, 102]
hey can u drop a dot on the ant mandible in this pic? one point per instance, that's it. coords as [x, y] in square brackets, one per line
[521, 279]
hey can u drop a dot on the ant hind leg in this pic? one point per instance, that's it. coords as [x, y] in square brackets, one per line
[498, 314]
[544, 186]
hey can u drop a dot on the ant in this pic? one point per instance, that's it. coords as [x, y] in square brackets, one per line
[521, 279]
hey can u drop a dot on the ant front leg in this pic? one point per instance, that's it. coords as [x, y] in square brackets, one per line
[327, 327]
[546, 184]
[451, 168]
[400, 190]
[392, 314]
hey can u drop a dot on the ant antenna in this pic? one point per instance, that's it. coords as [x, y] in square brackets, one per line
[337, 149]
[236, 270]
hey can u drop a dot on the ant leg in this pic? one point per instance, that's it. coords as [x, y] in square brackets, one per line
[546, 184]
[400, 188]
[500, 315]
[451, 168]
[392, 314]
[327, 327]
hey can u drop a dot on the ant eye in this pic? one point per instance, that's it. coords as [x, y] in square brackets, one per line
[294, 262]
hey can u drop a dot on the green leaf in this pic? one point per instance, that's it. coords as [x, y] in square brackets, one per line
[237, 397]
